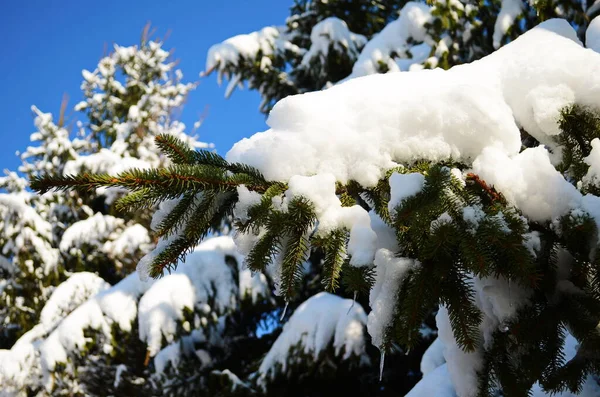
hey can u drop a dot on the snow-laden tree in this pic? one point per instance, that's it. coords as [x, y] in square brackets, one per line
[129, 99]
[85, 325]
[324, 42]
[469, 192]
[57, 251]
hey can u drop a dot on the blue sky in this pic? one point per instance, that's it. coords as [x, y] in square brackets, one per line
[48, 43]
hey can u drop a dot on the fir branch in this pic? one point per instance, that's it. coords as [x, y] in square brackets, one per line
[167, 259]
[416, 298]
[175, 149]
[300, 220]
[458, 296]
[357, 279]
[268, 245]
[177, 217]
[139, 200]
[295, 253]
[335, 254]
[205, 157]
[169, 181]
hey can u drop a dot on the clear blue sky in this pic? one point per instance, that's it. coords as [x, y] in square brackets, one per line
[48, 43]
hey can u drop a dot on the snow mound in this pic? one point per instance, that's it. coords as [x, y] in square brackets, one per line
[205, 283]
[242, 46]
[359, 129]
[389, 273]
[69, 295]
[509, 11]
[398, 38]
[323, 320]
[27, 229]
[333, 33]
[93, 231]
[436, 379]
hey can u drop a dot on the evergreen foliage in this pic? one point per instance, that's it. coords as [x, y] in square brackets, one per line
[462, 247]
[431, 227]
[291, 61]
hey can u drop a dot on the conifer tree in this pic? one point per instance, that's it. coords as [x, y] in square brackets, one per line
[325, 42]
[468, 192]
[59, 250]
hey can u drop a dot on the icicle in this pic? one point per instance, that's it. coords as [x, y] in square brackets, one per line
[284, 311]
[381, 362]
[407, 352]
[353, 302]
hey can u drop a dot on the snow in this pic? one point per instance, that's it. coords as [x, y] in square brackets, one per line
[92, 231]
[161, 310]
[244, 45]
[533, 242]
[25, 229]
[64, 336]
[333, 33]
[118, 373]
[395, 38]
[134, 238]
[419, 54]
[384, 120]
[386, 236]
[69, 336]
[320, 190]
[120, 303]
[319, 322]
[205, 284]
[204, 277]
[436, 380]
[105, 161]
[473, 214]
[529, 181]
[435, 384]
[233, 378]
[380, 120]
[509, 11]
[441, 220]
[164, 208]
[246, 199]
[592, 34]
[78, 288]
[462, 366]
[17, 369]
[169, 355]
[354, 131]
[590, 387]
[34, 239]
[593, 160]
[253, 286]
[389, 273]
[547, 103]
[172, 353]
[498, 300]
[403, 186]
[433, 357]
[591, 205]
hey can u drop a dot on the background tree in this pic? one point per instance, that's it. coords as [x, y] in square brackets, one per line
[325, 42]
